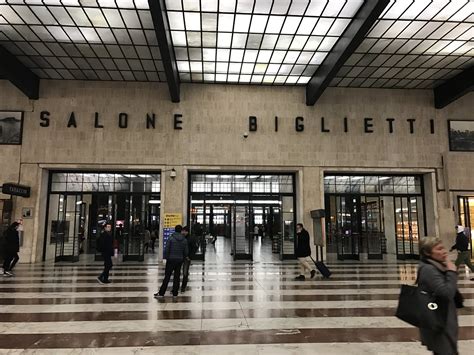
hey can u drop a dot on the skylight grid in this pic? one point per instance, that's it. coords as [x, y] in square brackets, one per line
[255, 42]
[86, 40]
[414, 44]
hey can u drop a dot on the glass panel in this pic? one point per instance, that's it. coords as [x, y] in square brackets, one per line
[386, 185]
[414, 225]
[399, 226]
[288, 227]
[407, 226]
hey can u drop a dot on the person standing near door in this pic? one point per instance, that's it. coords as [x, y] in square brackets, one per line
[192, 249]
[303, 252]
[11, 247]
[106, 246]
[175, 252]
[462, 246]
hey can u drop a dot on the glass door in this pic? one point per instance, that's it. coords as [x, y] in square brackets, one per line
[407, 227]
[242, 242]
[372, 229]
[66, 227]
[466, 216]
[348, 220]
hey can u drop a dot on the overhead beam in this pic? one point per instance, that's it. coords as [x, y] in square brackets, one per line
[163, 34]
[354, 34]
[454, 88]
[18, 74]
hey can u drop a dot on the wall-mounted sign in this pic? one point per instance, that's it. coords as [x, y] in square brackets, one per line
[16, 190]
[171, 220]
[461, 135]
[11, 127]
[27, 212]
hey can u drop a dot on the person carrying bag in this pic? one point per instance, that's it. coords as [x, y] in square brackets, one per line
[431, 305]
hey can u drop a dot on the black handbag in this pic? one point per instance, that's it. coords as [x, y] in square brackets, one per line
[459, 299]
[421, 309]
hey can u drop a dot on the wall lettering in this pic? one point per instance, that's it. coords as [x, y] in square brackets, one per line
[150, 120]
[72, 121]
[177, 121]
[96, 121]
[368, 125]
[44, 116]
[252, 123]
[323, 127]
[123, 120]
[299, 126]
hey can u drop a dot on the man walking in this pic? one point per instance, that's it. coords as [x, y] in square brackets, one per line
[462, 246]
[192, 249]
[303, 252]
[11, 247]
[105, 245]
[175, 252]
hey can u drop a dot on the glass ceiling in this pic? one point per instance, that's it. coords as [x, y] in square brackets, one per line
[86, 39]
[414, 44]
[255, 41]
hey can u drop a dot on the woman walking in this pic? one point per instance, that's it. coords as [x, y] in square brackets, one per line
[437, 276]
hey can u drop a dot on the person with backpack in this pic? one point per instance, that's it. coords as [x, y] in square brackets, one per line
[175, 252]
[192, 248]
[462, 246]
[11, 247]
[105, 245]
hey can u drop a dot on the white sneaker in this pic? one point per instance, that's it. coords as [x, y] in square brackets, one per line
[6, 274]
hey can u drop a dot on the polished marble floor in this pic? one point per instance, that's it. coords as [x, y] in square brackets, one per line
[229, 308]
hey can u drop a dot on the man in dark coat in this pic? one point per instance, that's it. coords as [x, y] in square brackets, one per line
[192, 249]
[11, 247]
[462, 246]
[106, 246]
[175, 252]
[303, 252]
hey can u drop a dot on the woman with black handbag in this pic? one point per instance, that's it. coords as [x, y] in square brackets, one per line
[437, 276]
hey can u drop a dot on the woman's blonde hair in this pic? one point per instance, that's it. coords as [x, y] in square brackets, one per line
[427, 244]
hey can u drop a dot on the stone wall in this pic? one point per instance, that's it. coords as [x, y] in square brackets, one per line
[215, 118]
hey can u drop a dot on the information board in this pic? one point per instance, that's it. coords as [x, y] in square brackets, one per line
[170, 221]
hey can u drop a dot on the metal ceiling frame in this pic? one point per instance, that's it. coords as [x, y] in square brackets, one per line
[454, 88]
[163, 34]
[18, 74]
[354, 34]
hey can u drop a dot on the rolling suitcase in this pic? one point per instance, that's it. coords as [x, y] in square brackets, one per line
[322, 268]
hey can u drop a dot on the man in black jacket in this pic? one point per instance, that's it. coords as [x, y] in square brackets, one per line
[175, 252]
[106, 245]
[462, 246]
[192, 249]
[303, 252]
[11, 247]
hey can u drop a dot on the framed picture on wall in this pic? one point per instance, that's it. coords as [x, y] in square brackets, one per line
[11, 127]
[461, 135]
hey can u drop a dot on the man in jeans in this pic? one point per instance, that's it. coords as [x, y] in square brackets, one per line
[175, 252]
[462, 246]
[303, 252]
[106, 245]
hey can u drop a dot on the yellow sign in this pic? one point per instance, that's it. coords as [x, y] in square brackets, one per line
[172, 219]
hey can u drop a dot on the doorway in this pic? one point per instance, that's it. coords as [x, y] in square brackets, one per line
[79, 205]
[466, 216]
[248, 217]
[369, 216]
